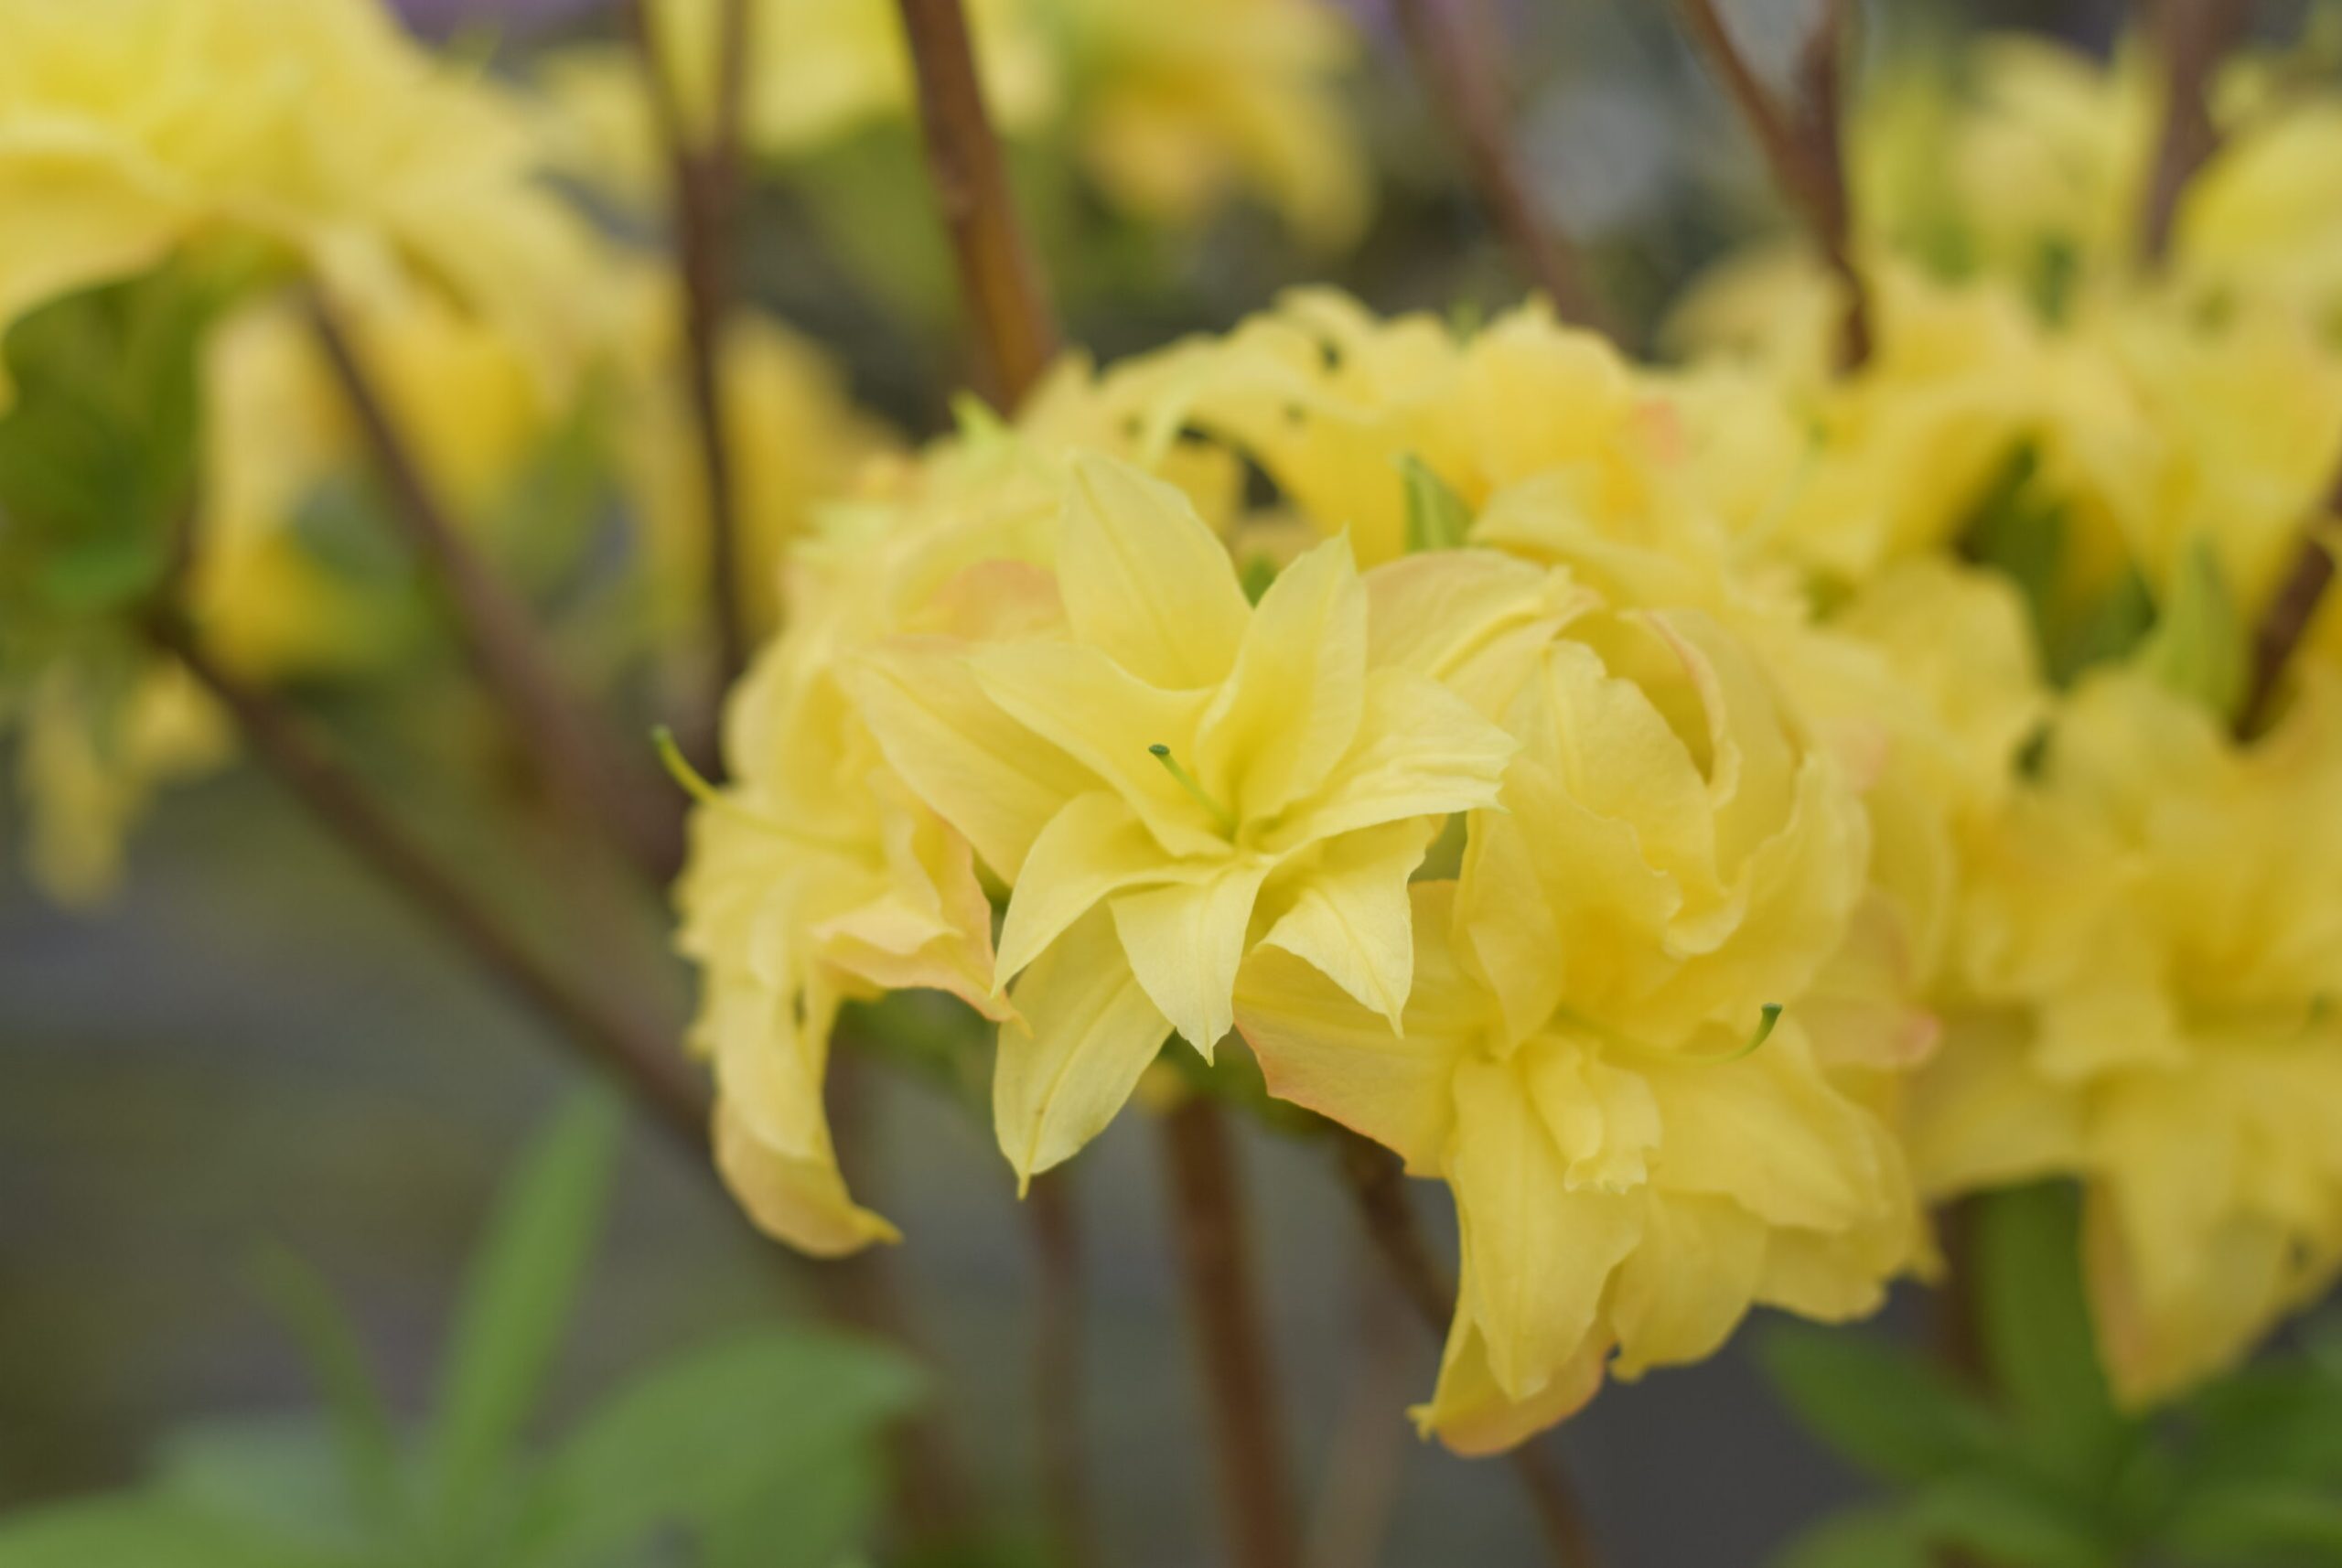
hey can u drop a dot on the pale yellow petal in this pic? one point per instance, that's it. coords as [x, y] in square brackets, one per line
[797, 1198]
[1474, 1415]
[1145, 580]
[1537, 1256]
[1319, 1048]
[1096, 847]
[1291, 707]
[1688, 1283]
[1186, 942]
[1088, 1032]
[1420, 752]
[982, 771]
[1345, 910]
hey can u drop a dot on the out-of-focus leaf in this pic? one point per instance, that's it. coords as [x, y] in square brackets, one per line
[1437, 518]
[813, 1517]
[2013, 1522]
[1881, 1406]
[2276, 1421]
[1861, 1537]
[2258, 1524]
[720, 1438]
[278, 1475]
[2199, 645]
[517, 1297]
[141, 1532]
[2025, 1268]
[360, 1422]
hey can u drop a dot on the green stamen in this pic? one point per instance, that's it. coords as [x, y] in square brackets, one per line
[679, 767]
[1772, 1015]
[1219, 814]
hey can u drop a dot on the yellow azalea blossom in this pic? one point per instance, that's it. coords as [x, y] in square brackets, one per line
[131, 128]
[86, 766]
[1673, 860]
[1177, 779]
[814, 879]
[2147, 957]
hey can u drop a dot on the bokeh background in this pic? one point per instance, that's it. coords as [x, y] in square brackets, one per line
[252, 1044]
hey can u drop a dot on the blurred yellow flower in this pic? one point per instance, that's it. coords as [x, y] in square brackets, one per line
[2146, 959]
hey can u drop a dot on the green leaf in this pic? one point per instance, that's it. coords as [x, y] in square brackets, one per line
[2258, 1524]
[2199, 646]
[137, 1531]
[721, 1436]
[1881, 1406]
[1437, 518]
[517, 1298]
[2012, 1520]
[2034, 1320]
[2277, 1421]
[1861, 1537]
[362, 1430]
[279, 1475]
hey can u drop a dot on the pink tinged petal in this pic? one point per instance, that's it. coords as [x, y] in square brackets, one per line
[1320, 1049]
[1346, 910]
[801, 1199]
[1144, 580]
[932, 928]
[1420, 752]
[1078, 699]
[1095, 847]
[1089, 1031]
[982, 771]
[1537, 1256]
[1186, 943]
[1291, 708]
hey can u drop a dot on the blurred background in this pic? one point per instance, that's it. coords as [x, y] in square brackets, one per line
[251, 1044]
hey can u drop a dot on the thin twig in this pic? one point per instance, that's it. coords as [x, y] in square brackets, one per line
[1804, 147]
[1058, 1380]
[1451, 45]
[582, 768]
[1377, 1184]
[640, 1056]
[2192, 36]
[1208, 1215]
[2285, 622]
[704, 175]
[999, 285]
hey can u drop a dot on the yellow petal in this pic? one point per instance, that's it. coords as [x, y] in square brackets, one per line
[1345, 910]
[1420, 752]
[1094, 847]
[1186, 942]
[1088, 1034]
[1474, 1415]
[1537, 1256]
[1079, 700]
[797, 1198]
[981, 771]
[1291, 707]
[1320, 1049]
[1471, 619]
[1688, 1283]
[1145, 580]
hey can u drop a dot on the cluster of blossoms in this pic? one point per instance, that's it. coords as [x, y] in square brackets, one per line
[1699, 814]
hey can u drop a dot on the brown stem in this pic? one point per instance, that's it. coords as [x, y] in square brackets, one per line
[640, 1056]
[999, 286]
[1058, 1382]
[582, 768]
[1804, 148]
[1248, 1443]
[2284, 624]
[1451, 45]
[1349, 1520]
[2192, 35]
[1377, 1184]
[704, 175]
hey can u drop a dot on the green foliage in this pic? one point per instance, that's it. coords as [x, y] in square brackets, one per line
[2048, 1472]
[2017, 530]
[1437, 518]
[2201, 647]
[759, 1452]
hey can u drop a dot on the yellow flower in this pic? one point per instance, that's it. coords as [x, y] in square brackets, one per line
[814, 879]
[2147, 958]
[130, 128]
[1670, 862]
[1177, 779]
[87, 760]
